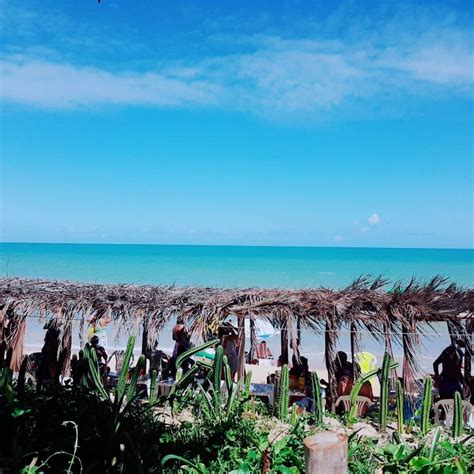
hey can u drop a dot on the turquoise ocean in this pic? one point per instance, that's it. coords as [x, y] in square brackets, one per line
[234, 266]
[230, 266]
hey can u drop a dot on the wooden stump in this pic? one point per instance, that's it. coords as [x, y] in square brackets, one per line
[326, 453]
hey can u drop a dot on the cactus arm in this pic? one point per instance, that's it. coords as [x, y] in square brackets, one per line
[400, 408]
[384, 392]
[132, 386]
[426, 407]
[248, 382]
[95, 375]
[228, 375]
[154, 375]
[284, 393]
[358, 385]
[205, 404]
[233, 397]
[458, 420]
[184, 380]
[122, 381]
[217, 376]
[318, 401]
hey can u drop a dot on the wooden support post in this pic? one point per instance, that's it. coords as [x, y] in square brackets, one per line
[468, 351]
[145, 336]
[330, 337]
[452, 330]
[326, 453]
[253, 340]
[354, 350]
[298, 332]
[241, 363]
[284, 341]
[411, 369]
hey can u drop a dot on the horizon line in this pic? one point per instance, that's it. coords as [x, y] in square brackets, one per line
[237, 245]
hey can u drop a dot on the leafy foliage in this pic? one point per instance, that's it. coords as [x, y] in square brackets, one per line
[81, 427]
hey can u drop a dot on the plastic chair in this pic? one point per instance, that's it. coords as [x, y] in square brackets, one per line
[447, 405]
[360, 403]
[119, 358]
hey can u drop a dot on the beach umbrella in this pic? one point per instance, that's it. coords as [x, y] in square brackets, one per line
[263, 329]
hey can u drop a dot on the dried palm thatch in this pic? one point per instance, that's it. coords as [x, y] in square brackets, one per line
[400, 314]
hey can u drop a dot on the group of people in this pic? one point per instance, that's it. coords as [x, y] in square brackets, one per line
[448, 381]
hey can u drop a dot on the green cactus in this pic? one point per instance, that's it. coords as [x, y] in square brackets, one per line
[458, 419]
[318, 401]
[246, 390]
[122, 381]
[227, 374]
[385, 378]
[248, 382]
[276, 395]
[351, 418]
[93, 366]
[426, 406]
[184, 381]
[400, 408]
[217, 376]
[232, 400]
[284, 393]
[153, 381]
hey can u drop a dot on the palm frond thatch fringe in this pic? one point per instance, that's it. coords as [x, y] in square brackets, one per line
[399, 314]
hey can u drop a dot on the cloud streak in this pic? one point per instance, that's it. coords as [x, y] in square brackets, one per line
[274, 76]
[49, 84]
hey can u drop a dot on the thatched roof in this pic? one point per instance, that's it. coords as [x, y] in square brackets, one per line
[365, 302]
[365, 305]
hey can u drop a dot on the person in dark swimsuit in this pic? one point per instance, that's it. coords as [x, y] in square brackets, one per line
[451, 379]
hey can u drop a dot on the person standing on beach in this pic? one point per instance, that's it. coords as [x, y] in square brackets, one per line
[451, 379]
[182, 344]
[48, 366]
[98, 327]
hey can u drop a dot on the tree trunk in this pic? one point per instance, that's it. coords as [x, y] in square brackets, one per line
[326, 453]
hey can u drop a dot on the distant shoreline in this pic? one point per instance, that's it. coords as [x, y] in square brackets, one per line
[169, 244]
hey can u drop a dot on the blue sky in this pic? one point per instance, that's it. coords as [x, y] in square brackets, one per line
[256, 123]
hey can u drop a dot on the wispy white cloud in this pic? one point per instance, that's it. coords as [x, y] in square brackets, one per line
[49, 84]
[374, 219]
[275, 75]
[372, 222]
